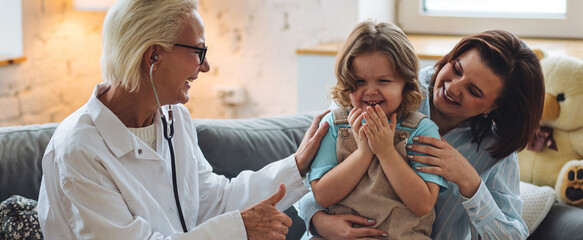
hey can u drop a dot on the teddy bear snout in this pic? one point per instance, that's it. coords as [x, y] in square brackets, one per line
[551, 108]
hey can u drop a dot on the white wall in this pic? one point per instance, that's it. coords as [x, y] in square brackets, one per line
[381, 10]
[253, 42]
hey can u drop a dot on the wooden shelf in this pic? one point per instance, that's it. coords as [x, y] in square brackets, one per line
[331, 48]
[435, 46]
[12, 60]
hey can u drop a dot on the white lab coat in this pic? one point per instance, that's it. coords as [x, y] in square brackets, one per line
[102, 182]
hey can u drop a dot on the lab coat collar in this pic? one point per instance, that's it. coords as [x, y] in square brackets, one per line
[116, 135]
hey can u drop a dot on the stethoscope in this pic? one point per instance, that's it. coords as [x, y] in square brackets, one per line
[168, 137]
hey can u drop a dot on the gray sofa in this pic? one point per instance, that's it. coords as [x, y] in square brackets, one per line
[230, 146]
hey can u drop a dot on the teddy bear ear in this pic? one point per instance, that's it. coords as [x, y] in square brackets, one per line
[539, 53]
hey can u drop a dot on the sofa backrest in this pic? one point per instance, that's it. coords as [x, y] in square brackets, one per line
[230, 146]
[234, 145]
[21, 152]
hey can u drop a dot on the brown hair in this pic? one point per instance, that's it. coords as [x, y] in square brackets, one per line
[520, 104]
[385, 38]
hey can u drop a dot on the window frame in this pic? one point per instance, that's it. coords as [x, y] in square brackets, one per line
[411, 19]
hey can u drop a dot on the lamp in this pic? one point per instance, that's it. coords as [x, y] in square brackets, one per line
[92, 5]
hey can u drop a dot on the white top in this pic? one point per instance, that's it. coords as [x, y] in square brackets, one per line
[102, 182]
[146, 134]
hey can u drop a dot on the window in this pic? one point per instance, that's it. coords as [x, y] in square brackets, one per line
[530, 18]
[11, 28]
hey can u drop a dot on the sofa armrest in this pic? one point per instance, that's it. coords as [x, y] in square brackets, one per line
[21, 152]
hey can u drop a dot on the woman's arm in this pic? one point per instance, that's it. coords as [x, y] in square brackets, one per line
[493, 205]
[320, 223]
[416, 194]
[495, 214]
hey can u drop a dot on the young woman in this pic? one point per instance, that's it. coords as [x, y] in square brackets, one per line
[486, 96]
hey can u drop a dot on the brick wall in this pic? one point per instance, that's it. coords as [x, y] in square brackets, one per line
[62, 47]
[251, 43]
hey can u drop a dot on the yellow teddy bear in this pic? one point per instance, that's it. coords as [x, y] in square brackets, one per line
[560, 138]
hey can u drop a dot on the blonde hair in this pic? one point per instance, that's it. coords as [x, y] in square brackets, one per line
[389, 40]
[130, 27]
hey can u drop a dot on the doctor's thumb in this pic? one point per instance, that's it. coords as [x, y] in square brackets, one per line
[277, 196]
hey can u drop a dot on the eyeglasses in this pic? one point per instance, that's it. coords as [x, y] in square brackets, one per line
[201, 54]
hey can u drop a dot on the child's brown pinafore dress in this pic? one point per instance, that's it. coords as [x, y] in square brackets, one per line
[374, 197]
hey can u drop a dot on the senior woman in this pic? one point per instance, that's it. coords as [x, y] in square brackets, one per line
[486, 96]
[126, 165]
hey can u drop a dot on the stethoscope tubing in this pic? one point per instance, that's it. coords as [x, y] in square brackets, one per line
[173, 163]
[168, 137]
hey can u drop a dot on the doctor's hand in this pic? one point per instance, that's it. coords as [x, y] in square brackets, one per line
[340, 227]
[310, 144]
[264, 221]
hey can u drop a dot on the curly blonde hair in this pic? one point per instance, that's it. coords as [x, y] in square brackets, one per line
[389, 40]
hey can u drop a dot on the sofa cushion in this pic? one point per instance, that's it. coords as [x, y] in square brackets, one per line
[21, 152]
[537, 203]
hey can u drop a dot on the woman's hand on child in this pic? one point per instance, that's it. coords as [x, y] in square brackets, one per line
[379, 131]
[341, 226]
[311, 143]
[447, 162]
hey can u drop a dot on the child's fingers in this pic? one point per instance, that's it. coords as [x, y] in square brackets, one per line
[393, 121]
[382, 116]
[375, 117]
[354, 113]
[362, 132]
[356, 123]
[369, 121]
[367, 130]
